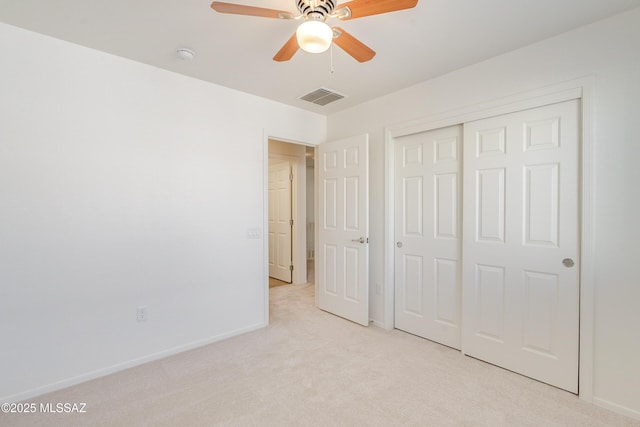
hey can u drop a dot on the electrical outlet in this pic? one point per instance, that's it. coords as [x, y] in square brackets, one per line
[142, 313]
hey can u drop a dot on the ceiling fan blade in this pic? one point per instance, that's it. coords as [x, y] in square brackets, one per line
[239, 9]
[288, 50]
[354, 47]
[360, 8]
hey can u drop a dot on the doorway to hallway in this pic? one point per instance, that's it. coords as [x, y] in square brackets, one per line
[291, 208]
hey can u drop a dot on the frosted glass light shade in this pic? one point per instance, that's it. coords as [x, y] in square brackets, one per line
[314, 36]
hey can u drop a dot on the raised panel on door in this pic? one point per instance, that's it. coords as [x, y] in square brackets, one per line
[490, 292]
[447, 290]
[330, 204]
[427, 233]
[351, 271]
[351, 203]
[489, 204]
[521, 220]
[412, 282]
[342, 261]
[541, 214]
[272, 221]
[412, 204]
[446, 206]
[540, 313]
[329, 282]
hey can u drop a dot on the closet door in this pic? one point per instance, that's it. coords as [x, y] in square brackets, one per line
[520, 247]
[427, 233]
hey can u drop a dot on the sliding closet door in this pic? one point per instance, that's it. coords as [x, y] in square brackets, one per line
[520, 245]
[427, 234]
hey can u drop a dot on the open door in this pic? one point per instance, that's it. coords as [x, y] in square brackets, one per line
[280, 221]
[342, 270]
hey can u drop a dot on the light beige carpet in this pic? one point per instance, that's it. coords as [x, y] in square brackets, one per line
[309, 368]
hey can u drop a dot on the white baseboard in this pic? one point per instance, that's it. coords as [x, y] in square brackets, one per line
[34, 392]
[631, 413]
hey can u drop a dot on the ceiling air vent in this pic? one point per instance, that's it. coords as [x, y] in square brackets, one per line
[322, 96]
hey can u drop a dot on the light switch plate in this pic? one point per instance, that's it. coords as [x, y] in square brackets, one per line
[253, 233]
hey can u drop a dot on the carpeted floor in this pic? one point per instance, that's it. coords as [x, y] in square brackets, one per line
[310, 368]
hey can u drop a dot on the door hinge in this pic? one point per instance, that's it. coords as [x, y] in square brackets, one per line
[291, 267]
[291, 222]
[291, 176]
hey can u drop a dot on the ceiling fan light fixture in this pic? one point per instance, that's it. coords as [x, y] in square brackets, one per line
[314, 36]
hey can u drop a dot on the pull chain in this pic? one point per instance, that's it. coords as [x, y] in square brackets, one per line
[331, 71]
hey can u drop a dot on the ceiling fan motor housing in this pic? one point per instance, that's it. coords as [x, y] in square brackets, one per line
[316, 9]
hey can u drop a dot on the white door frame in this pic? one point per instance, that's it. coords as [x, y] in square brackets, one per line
[299, 246]
[298, 211]
[576, 89]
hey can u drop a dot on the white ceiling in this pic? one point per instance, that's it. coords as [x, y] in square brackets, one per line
[413, 45]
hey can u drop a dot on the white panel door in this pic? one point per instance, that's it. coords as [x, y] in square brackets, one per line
[428, 234]
[342, 270]
[280, 221]
[521, 259]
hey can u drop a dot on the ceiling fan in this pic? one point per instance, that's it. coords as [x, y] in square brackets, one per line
[314, 35]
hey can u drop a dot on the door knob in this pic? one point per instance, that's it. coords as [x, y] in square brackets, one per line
[568, 262]
[361, 240]
[399, 244]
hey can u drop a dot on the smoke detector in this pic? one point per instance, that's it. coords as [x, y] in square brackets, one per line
[185, 54]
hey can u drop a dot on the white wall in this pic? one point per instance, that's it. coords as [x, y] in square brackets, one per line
[124, 185]
[609, 51]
